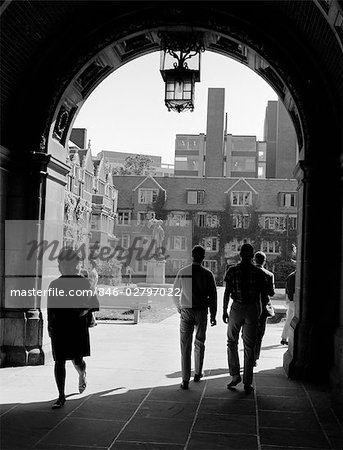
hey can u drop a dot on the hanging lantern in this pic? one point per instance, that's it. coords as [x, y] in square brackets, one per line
[180, 69]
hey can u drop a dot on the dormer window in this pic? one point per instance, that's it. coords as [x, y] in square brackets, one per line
[147, 195]
[288, 199]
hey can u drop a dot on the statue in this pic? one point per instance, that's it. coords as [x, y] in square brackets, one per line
[157, 234]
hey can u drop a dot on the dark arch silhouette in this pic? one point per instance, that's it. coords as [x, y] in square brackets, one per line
[55, 53]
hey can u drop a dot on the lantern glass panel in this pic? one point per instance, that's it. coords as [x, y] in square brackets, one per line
[178, 90]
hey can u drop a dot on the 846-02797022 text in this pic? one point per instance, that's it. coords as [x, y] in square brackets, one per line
[139, 291]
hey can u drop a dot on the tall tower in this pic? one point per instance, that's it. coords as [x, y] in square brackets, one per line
[214, 159]
[281, 141]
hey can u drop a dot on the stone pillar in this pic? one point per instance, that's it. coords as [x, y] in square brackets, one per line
[310, 352]
[21, 319]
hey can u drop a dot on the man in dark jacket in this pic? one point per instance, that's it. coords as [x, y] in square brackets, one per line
[260, 260]
[194, 293]
[246, 284]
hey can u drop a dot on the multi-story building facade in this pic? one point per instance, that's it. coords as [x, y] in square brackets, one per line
[219, 154]
[90, 202]
[220, 213]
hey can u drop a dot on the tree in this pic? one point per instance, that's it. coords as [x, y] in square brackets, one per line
[135, 165]
[159, 206]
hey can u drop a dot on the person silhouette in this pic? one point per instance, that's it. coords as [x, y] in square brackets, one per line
[246, 284]
[70, 298]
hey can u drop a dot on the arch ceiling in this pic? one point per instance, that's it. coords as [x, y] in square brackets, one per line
[61, 51]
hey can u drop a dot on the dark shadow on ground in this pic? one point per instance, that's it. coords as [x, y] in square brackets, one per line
[207, 416]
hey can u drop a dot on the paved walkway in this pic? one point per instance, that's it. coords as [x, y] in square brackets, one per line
[133, 399]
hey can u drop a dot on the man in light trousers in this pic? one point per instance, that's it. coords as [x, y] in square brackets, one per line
[194, 293]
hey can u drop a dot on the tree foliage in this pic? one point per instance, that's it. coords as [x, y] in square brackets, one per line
[135, 165]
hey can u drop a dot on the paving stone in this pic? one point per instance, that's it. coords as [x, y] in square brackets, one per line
[166, 431]
[227, 406]
[281, 391]
[83, 432]
[281, 419]
[279, 437]
[120, 445]
[212, 441]
[164, 409]
[176, 394]
[233, 423]
[100, 409]
[276, 403]
[45, 446]
[22, 429]
[275, 380]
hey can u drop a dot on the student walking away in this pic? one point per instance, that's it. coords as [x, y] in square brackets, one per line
[267, 308]
[194, 293]
[246, 284]
[69, 300]
[290, 291]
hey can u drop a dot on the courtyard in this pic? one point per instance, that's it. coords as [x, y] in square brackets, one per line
[133, 399]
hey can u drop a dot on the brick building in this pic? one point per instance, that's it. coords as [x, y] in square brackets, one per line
[220, 213]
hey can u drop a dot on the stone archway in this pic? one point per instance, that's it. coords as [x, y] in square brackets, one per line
[53, 65]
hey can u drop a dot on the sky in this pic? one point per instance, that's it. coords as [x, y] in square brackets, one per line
[126, 112]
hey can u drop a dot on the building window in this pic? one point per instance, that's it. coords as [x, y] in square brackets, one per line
[241, 198]
[292, 222]
[177, 219]
[124, 218]
[274, 223]
[125, 241]
[178, 243]
[270, 247]
[195, 197]
[147, 195]
[288, 199]
[211, 244]
[212, 220]
[210, 264]
[240, 221]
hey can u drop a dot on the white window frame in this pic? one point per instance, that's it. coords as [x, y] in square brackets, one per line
[274, 222]
[212, 220]
[122, 222]
[211, 243]
[244, 198]
[147, 195]
[270, 247]
[286, 199]
[178, 243]
[177, 219]
[294, 219]
[240, 221]
[211, 264]
[200, 197]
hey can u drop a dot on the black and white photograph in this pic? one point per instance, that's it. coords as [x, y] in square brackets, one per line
[171, 225]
